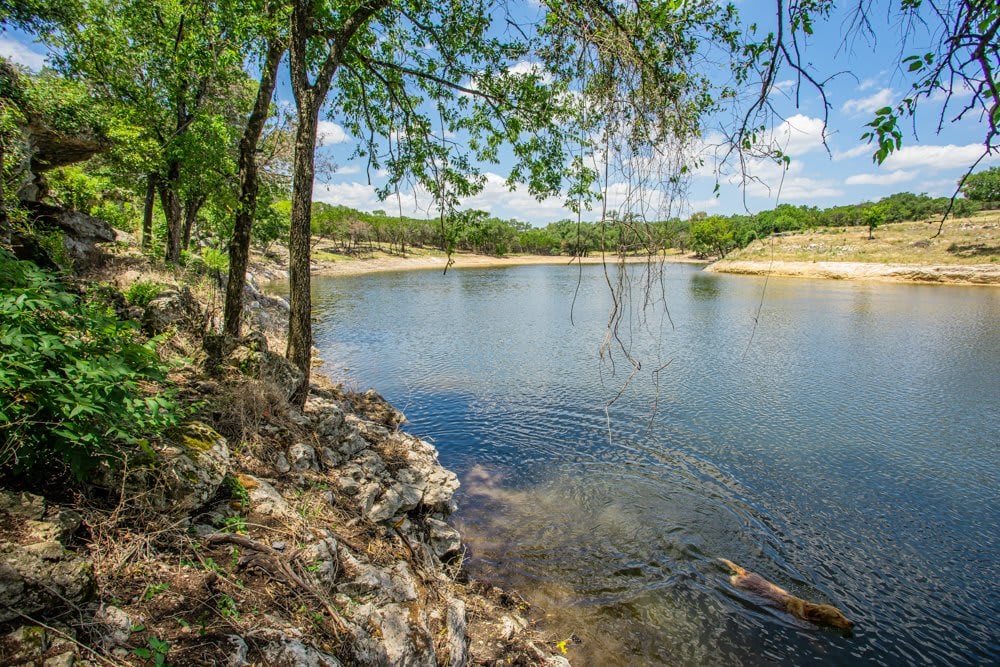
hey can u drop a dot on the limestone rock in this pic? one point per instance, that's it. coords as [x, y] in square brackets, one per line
[405, 636]
[190, 467]
[377, 409]
[386, 506]
[445, 540]
[276, 369]
[331, 420]
[81, 232]
[265, 501]
[173, 308]
[351, 443]
[281, 463]
[240, 650]
[116, 626]
[364, 579]
[441, 487]
[294, 653]
[302, 457]
[35, 645]
[36, 570]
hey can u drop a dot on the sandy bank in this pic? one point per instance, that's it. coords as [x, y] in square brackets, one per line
[956, 274]
[461, 261]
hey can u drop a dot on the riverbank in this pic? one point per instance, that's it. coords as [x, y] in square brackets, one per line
[955, 274]
[256, 532]
[966, 252]
[273, 266]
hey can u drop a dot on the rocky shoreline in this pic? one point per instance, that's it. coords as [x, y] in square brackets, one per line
[312, 537]
[953, 274]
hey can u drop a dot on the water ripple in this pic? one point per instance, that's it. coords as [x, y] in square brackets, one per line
[850, 453]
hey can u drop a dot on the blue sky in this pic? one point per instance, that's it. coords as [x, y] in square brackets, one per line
[863, 74]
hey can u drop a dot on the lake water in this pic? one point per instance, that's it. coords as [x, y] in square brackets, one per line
[841, 439]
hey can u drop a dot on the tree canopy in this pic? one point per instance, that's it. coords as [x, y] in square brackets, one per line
[571, 97]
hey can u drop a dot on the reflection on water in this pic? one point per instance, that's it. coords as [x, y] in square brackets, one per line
[839, 439]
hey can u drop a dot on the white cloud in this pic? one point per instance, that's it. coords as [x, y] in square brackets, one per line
[937, 158]
[348, 169]
[857, 151]
[525, 67]
[498, 200]
[328, 133]
[703, 204]
[356, 195]
[799, 134]
[883, 178]
[958, 92]
[772, 182]
[21, 54]
[869, 104]
[867, 84]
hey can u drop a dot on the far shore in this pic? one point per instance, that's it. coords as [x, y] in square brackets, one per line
[385, 263]
[953, 274]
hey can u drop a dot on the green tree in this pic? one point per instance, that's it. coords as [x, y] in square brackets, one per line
[983, 186]
[873, 215]
[168, 68]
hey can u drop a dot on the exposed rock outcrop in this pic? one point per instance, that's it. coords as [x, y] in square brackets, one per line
[173, 308]
[37, 571]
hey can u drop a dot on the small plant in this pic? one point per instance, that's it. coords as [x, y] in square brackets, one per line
[71, 377]
[234, 558]
[227, 607]
[141, 292]
[234, 524]
[153, 590]
[156, 650]
[238, 491]
[212, 566]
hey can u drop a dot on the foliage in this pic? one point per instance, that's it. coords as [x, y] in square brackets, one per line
[72, 377]
[983, 186]
[141, 292]
[156, 649]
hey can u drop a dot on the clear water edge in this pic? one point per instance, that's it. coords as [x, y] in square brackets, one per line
[839, 438]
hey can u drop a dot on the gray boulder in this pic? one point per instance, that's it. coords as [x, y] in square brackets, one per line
[36, 571]
[173, 309]
[266, 502]
[190, 467]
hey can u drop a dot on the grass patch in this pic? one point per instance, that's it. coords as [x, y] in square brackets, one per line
[973, 240]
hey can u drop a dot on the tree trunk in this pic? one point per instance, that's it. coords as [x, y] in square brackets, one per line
[299, 319]
[172, 210]
[4, 220]
[191, 208]
[309, 97]
[239, 246]
[147, 210]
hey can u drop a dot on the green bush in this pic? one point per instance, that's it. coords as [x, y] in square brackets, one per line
[141, 292]
[74, 379]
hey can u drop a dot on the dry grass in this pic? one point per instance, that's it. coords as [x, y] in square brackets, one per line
[974, 240]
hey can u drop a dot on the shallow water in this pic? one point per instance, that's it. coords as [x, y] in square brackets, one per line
[846, 447]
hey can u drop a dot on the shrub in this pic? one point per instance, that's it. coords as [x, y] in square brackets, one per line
[72, 377]
[141, 292]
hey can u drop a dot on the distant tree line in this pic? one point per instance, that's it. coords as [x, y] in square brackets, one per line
[354, 231]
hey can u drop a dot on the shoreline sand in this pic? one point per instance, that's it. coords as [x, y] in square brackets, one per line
[941, 274]
[465, 261]
[949, 274]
